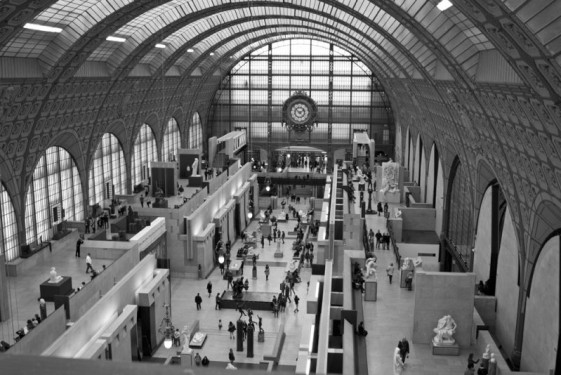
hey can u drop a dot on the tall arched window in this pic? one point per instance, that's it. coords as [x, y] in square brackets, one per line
[172, 140]
[108, 170]
[460, 214]
[145, 151]
[9, 245]
[55, 193]
[196, 132]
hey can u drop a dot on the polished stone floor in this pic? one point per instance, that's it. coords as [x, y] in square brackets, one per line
[23, 290]
[387, 320]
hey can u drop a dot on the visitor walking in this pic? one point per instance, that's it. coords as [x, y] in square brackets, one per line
[389, 272]
[282, 236]
[218, 301]
[232, 329]
[378, 236]
[141, 200]
[231, 356]
[78, 244]
[296, 300]
[397, 362]
[89, 263]
[209, 288]
[198, 301]
[262, 242]
[403, 349]
[267, 271]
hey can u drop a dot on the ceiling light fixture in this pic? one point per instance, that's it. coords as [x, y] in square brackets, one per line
[212, 53]
[115, 39]
[48, 29]
[444, 4]
[160, 45]
[190, 50]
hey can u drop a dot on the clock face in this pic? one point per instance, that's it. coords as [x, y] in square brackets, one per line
[300, 112]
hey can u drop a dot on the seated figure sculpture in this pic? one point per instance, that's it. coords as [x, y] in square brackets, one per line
[444, 330]
[54, 276]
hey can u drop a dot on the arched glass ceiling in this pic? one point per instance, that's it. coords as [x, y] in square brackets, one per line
[404, 29]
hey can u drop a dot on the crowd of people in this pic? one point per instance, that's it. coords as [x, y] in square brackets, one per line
[383, 240]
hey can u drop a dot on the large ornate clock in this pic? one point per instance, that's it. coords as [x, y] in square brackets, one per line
[299, 112]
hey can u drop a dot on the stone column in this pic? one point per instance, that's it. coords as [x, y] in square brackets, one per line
[250, 330]
[239, 336]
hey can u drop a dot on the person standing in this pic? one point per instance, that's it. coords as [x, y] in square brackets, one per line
[379, 208]
[230, 278]
[269, 238]
[386, 209]
[282, 236]
[296, 300]
[177, 338]
[42, 308]
[471, 360]
[218, 301]
[311, 257]
[397, 362]
[389, 272]
[89, 263]
[87, 225]
[263, 242]
[78, 244]
[198, 301]
[267, 271]
[275, 235]
[141, 200]
[209, 288]
[232, 329]
[403, 349]
[378, 236]
[231, 356]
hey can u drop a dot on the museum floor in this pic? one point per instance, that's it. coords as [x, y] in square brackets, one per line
[387, 320]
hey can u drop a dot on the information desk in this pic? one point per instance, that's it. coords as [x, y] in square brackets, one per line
[48, 290]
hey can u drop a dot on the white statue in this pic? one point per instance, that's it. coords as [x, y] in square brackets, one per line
[444, 330]
[54, 276]
[371, 268]
[397, 213]
[195, 167]
[390, 177]
[407, 264]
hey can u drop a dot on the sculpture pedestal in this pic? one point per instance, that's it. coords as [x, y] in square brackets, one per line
[48, 290]
[453, 349]
[187, 357]
[370, 290]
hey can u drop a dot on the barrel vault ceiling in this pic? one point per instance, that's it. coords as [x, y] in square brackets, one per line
[481, 80]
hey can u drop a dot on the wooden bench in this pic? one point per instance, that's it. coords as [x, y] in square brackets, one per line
[274, 357]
